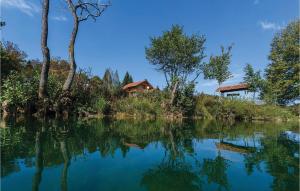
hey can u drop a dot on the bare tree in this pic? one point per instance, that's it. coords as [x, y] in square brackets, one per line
[45, 50]
[81, 10]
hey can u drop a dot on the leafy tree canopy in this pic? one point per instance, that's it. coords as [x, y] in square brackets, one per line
[282, 74]
[218, 66]
[252, 78]
[177, 55]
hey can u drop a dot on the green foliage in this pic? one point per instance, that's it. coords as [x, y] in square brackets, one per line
[17, 90]
[54, 87]
[111, 85]
[142, 104]
[12, 58]
[282, 74]
[127, 79]
[218, 66]
[209, 107]
[252, 78]
[176, 54]
[102, 106]
[185, 99]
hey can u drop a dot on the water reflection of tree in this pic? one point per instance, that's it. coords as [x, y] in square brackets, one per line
[25, 142]
[215, 170]
[174, 172]
[281, 156]
[39, 166]
[62, 138]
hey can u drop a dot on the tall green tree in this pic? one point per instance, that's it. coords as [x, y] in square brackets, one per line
[115, 79]
[178, 56]
[12, 58]
[127, 79]
[253, 79]
[107, 79]
[282, 74]
[218, 66]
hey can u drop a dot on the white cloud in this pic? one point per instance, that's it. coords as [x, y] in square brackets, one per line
[60, 18]
[265, 25]
[25, 6]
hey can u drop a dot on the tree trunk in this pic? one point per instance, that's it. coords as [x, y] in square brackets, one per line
[173, 93]
[64, 177]
[70, 78]
[45, 51]
[38, 162]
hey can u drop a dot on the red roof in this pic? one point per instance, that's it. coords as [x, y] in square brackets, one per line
[233, 88]
[134, 84]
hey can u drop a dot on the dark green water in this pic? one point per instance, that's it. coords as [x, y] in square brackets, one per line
[154, 156]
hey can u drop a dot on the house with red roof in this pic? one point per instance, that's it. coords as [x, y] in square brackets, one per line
[138, 87]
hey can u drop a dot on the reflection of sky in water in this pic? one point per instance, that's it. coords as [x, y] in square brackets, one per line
[93, 170]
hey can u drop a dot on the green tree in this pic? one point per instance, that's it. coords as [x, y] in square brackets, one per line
[115, 79]
[107, 79]
[218, 66]
[19, 91]
[12, 58]
[178, 56]
[253, 79]
[282, 74]
[127, 79]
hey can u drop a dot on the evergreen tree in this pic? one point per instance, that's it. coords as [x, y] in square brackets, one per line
[115, 79]
[107, 79]
[282, 74]
[127, 79]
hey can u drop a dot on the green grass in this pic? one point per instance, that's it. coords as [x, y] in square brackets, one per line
[211, 107]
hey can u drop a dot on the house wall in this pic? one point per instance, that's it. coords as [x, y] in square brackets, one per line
[243, 94]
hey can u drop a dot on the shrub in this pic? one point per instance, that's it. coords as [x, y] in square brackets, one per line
[148, 104]
[17, 90]
[102, 106]
[210, 107]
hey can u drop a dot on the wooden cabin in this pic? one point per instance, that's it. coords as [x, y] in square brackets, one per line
[138, 87]
[233, 90]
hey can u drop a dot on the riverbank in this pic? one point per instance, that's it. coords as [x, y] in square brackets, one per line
[154, 106]
[204, 107]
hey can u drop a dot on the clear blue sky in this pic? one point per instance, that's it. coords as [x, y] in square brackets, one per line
[117, 40]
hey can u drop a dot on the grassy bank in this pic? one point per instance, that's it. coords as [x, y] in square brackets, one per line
[206, 107]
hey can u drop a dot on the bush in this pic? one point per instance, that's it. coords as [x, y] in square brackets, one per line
[18, 90]
[102, 106]
[143, 104]
[211, 107]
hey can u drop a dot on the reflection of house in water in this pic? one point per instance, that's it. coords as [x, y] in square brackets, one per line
[235, 148]
[134, 145]
[138, 87]
[238, 90]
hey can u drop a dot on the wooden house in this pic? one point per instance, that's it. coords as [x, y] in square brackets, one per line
[233, 90]
[138, 87]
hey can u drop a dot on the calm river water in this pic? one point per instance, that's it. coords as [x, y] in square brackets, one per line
[154, 155]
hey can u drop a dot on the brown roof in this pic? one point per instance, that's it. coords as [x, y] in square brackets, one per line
[233, 88]
[133, 84]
